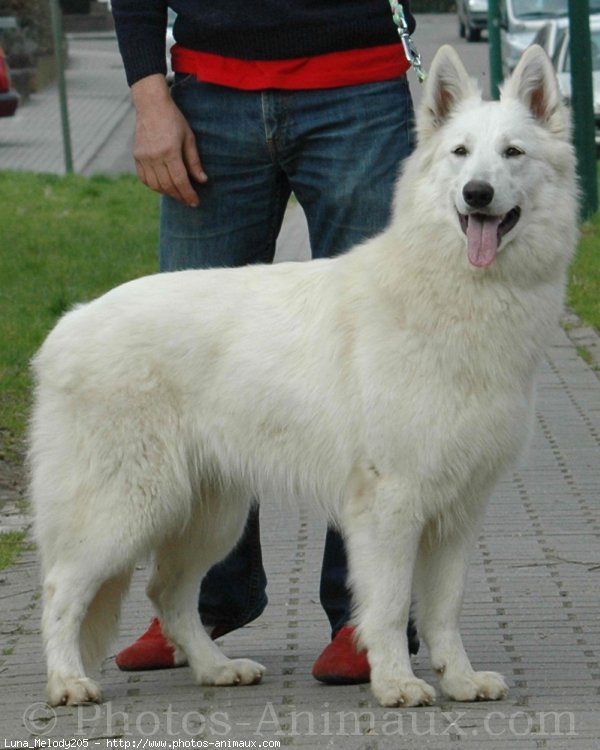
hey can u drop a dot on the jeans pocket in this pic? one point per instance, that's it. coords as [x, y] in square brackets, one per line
[181, 80]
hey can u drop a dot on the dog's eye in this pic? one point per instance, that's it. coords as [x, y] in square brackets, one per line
[460, 151]
[513, 151]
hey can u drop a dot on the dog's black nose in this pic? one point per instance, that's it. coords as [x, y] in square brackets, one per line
[478, 194]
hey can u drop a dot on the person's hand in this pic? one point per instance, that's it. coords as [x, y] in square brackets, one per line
[164, 150]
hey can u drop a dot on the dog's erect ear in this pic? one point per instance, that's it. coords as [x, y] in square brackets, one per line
[534, 83]
[448, 84]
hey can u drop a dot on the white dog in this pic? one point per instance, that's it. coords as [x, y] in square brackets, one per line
[390, 387]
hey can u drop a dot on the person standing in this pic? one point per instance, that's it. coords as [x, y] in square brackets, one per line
[268, 99]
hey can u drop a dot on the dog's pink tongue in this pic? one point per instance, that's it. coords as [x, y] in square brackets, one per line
[482, 239]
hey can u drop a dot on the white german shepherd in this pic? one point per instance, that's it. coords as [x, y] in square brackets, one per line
[390, 386]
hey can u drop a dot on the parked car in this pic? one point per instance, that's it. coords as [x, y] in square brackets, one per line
[472, 18]
[550, 34]
[522, 19]
[562, 64]
[9, 99]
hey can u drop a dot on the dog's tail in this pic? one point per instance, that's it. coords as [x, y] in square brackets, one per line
[100, 625]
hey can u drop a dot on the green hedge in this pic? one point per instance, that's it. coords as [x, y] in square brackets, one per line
[33, 17]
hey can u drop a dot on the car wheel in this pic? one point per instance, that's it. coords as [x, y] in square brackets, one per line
[461, 30]
[473, 35]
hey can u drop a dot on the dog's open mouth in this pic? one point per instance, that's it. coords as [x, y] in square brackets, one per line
[484, 233]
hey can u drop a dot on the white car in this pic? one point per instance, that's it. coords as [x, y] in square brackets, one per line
[520, 20]
[562, 64]
[550, 35]
[472, 18]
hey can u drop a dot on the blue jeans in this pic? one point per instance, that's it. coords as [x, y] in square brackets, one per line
[339, 151]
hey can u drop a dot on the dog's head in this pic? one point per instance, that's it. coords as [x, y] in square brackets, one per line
[496, 162]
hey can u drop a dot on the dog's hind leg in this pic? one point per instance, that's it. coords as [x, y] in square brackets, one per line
[180, 564]
[100, 625]
[73, 592]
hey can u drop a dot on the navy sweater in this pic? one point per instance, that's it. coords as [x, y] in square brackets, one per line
[247, 30]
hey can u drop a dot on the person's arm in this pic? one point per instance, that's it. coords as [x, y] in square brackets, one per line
[141, 27]
[164, 147]
[165, 151]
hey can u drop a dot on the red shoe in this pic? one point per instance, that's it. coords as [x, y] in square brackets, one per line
[340, 663]
[152, 650]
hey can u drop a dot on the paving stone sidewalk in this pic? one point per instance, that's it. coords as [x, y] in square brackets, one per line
[98, 103]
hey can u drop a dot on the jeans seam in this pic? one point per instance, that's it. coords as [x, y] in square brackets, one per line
[265, 110]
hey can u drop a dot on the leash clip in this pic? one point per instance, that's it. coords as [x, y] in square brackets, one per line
[412, 55]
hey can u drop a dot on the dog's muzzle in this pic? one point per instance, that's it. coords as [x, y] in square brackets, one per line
[484, 231]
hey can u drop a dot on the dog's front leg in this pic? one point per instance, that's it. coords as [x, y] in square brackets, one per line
[440, 578]
[382, 545]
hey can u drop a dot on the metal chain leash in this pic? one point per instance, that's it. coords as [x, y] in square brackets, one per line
[412, 55]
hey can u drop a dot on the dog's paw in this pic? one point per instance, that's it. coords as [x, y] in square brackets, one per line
[238, 672]
[475, 686]
[72, 691]
[403, 693]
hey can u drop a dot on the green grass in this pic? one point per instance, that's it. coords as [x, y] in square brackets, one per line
[584, 283]
[11, 544]
[62, 240]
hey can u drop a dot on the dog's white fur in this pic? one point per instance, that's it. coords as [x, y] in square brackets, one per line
[390, 386]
